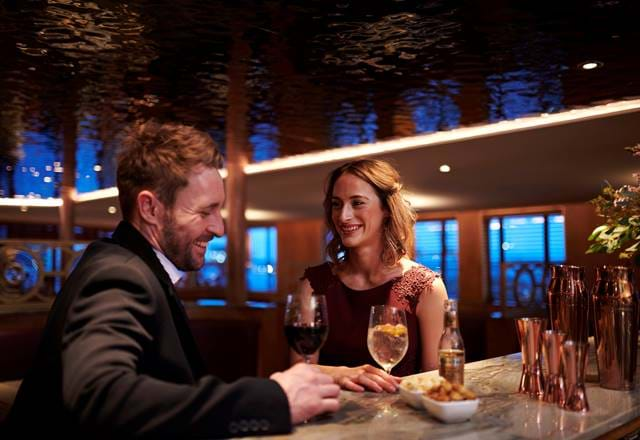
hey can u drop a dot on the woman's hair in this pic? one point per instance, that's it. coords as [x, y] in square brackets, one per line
[159, 158]
[398, 238]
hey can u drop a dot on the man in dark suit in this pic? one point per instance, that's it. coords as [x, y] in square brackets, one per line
[117, 357]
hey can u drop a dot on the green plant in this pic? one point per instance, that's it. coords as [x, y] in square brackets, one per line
[621, 210]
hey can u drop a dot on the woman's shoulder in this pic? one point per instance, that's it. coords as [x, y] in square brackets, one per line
[320, 276]
[321, 270]
[415, 280]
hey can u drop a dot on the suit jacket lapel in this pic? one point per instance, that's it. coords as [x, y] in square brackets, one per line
[127, 236]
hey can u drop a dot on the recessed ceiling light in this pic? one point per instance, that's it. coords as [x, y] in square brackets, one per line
[24, 208]
[112, 209]
[444, 168]
[590, 65]
[97, 168]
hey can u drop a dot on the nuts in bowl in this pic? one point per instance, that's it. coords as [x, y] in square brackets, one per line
[448, 392]
[451, 403]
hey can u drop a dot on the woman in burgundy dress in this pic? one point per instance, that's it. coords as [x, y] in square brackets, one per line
[372, 237]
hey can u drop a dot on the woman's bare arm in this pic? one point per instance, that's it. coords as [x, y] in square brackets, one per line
[430, 312]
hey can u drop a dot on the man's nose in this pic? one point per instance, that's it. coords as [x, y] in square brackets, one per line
[216, 226]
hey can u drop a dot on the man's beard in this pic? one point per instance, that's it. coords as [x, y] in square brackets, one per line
[175, 249]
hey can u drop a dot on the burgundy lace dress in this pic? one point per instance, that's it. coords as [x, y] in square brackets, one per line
[349, 315]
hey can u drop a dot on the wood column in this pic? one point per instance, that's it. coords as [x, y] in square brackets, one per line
[68, 187]
[237, 157]
[471, 254]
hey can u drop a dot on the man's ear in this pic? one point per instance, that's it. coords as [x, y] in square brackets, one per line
[150, 209]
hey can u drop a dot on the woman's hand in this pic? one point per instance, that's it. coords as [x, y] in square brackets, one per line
[364, 377]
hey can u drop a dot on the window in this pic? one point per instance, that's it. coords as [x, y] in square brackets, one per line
[520, 247]
[263, 255]
[214, 271]
[437, 248]
[261, 265]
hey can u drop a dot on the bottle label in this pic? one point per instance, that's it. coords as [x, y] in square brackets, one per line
[452, 365]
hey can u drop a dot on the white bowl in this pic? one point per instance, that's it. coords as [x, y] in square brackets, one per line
[411, 397]
[450, 412]
[412, 388]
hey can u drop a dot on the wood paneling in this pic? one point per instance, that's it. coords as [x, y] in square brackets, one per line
[300, 245]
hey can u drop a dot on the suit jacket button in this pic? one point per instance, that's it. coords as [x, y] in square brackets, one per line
[264, 424]
[244, 426]
[253, 425]
[233, 428]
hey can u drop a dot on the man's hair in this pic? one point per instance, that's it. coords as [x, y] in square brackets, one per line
[159, 158]
[397, 231]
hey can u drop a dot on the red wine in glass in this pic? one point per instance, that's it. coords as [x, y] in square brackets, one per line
[306, 324]
[305, 339]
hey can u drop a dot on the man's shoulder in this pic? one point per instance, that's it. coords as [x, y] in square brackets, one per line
[107, 256]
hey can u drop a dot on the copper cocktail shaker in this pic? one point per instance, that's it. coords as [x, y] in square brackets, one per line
[615, 305]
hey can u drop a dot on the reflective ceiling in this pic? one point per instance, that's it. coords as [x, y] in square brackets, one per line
[306, 75]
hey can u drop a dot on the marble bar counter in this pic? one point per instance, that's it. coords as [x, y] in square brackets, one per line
[502, 414]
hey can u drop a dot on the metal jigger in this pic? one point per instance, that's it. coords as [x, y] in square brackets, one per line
[554, 382]
[574, 361]
[531, 381]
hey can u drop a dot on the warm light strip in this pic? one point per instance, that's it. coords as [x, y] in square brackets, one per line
[36, 203]
[98, 194]
[442, 137]
[107, 193]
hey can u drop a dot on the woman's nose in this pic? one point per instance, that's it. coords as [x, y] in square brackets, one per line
[346, 212]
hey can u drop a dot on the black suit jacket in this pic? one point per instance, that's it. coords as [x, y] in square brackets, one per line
[117, 358]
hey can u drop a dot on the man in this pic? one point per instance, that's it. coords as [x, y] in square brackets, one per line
[117, 357]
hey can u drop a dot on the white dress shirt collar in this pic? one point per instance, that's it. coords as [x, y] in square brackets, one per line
[174, 273]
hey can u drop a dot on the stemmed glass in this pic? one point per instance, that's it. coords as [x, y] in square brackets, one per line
[306, 323]
[387, 338]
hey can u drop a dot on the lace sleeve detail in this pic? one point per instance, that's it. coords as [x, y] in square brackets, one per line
[320, 278]
[410, 286]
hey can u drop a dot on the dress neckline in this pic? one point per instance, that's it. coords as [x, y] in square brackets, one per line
[379, 286]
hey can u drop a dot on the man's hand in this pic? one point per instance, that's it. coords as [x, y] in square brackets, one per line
[309, 391]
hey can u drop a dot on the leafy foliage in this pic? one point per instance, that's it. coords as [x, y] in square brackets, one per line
[621, 210]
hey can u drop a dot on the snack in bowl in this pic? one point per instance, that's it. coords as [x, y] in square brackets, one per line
[451, 403]
[412, 388]
[448, 392]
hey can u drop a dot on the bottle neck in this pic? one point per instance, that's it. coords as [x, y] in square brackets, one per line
[451, 320]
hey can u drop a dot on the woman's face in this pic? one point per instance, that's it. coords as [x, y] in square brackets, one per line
[356, 212]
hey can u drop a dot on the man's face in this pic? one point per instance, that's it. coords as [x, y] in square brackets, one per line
[194, 219]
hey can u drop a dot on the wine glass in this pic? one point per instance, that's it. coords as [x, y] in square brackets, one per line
[306, 323]
[387, 338]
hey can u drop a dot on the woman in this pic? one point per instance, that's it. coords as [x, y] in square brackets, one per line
[372, 236]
